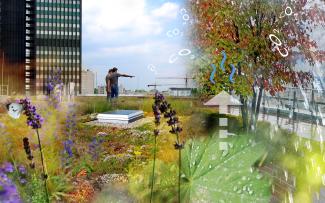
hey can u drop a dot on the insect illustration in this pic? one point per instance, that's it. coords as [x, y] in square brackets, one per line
[14, 110]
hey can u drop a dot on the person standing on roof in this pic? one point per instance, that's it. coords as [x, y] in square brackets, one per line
[113, 78]
[108, 85]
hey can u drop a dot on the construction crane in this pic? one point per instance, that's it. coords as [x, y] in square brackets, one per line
[177, 78]
[156, 85]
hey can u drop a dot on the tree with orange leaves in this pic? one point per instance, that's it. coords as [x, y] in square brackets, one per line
[265, 38]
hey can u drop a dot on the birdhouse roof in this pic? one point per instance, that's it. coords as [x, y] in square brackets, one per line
[223, 99]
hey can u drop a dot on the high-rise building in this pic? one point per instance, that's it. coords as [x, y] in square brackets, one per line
[38, 37]
[88, 82]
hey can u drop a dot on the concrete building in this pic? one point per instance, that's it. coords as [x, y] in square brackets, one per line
[101, 89]
[87, 82]
[180, 92]
[38, 37]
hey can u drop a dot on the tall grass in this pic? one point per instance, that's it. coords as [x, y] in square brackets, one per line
[88, 105]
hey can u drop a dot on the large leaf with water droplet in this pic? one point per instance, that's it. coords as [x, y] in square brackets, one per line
[212, 175]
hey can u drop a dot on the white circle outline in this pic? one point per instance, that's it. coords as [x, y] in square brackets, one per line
[187, 18]
[187, 52]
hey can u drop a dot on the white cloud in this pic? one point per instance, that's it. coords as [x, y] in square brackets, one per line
[161, 49]
[105, 20]
[167, 10]
[130, 34]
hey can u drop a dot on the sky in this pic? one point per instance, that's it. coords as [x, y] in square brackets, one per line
[143, 38]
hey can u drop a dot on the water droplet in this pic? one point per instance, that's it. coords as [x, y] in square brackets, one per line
[286, 175]
[235, 188]
[224, 153]
[313, 162]
[250, 192]
[210, 166]
[290, 197]
[259, 176]
[296, 146]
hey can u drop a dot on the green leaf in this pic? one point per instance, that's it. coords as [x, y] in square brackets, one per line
[165, 186]
[207, 174]
[213, 175]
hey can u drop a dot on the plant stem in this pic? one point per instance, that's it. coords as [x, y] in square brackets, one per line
[42, 159]
[153, 168]
[179, 168]
[179, 173]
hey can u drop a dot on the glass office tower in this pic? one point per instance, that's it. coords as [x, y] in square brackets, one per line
[47, 39]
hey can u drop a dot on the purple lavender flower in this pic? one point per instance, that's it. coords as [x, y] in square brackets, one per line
[33, 119]
[70, 132]
[8, 167]
[22, 170]
[22, 181]
[8, 191]
[28, 152]
[55, 81]
[95, 147]
[161, 106]
[67, 147]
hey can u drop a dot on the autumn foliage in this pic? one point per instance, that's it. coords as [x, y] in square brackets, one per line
[243, 30]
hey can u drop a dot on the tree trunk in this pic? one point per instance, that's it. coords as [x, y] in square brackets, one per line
[253, 109]
[257, 110]
[244, 112]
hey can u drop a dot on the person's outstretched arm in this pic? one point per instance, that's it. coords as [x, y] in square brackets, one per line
[125, 75]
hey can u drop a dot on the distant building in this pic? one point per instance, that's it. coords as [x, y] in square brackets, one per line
[87, 82]
[180, 92]
[121, 89]
[101, 89]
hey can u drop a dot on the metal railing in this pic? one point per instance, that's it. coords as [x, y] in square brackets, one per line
[303, 104]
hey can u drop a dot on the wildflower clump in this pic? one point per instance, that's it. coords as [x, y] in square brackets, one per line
[8, 190]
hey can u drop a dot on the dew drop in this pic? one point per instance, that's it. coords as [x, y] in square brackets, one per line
[290, 198]
[259, 176]
[286, 175]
